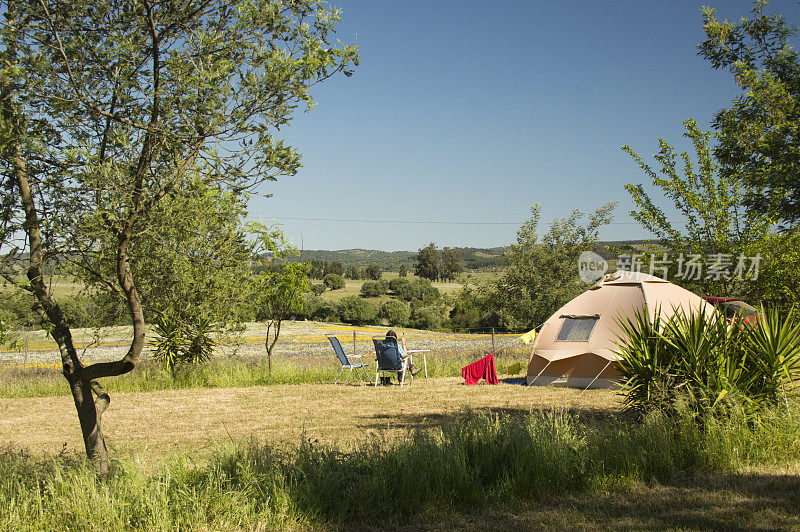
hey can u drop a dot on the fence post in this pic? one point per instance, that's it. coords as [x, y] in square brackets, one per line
[492, 339]
[354, 342]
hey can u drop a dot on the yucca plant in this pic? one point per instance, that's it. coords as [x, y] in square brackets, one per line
[705, 363]
[180, 341]
[773, 348]
[169, 341]
[711, 358]
[647, 365]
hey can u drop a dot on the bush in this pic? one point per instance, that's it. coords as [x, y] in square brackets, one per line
[75, 311]
[709, 365]
[108, 309]
[397, 284]
[395, 312]
[372, 289]
[421, 289]
[373, 271]
[427, 317]
[317, 289]
[326, 311]
[357, 311]
[16, 310]
[333, 281]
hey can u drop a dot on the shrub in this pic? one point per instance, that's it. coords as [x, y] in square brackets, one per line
[421, 289]
[75, 311]
[333, 281]
[317, 289]
[17, 309]
[181, 342]
[397, 284]
[373, 271]
[709, 365]
[357, 311]
[108, 309]
[395, 312]
[325, 311]
[372, 289]
[427, 317]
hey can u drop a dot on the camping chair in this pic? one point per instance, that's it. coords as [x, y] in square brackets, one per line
[346, 362]
[388, 359]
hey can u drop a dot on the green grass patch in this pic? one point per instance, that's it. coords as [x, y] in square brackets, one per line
[473, 463]
[150, 376]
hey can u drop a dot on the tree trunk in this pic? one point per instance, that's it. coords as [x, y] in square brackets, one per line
[89, 411]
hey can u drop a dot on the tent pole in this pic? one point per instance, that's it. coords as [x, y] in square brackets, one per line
[595, 377]
[536, 377]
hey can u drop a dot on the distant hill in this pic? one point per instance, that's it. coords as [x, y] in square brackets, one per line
[472, 258]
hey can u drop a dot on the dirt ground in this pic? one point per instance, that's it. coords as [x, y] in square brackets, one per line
[150, 427]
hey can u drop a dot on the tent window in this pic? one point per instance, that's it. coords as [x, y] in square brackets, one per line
[576, 329]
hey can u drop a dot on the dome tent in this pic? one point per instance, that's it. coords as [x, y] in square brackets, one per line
[576, 345]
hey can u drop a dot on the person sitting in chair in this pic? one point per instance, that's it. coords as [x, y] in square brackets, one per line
[401, 348]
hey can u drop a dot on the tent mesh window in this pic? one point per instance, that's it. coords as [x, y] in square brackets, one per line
[576, 329]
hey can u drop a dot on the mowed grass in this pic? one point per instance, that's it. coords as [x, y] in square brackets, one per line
[148, 426]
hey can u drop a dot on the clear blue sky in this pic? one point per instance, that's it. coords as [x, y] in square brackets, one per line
[470, 112]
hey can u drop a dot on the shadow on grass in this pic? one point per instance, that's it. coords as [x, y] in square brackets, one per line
[395, 420]
[709, 502]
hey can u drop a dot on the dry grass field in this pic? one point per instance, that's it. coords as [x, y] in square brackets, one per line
[158, 429]
[151, 426]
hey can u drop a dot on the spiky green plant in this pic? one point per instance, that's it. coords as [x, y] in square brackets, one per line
[708, 364]
[647, 365]
[178, 341]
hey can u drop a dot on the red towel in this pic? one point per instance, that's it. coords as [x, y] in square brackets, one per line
[482, 369]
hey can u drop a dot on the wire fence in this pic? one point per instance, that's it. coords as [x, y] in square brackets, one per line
[305, 340]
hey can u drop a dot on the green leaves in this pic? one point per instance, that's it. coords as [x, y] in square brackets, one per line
[715, 219]
[542, 276]
[760, 133]
[707, 363]
[179, 341]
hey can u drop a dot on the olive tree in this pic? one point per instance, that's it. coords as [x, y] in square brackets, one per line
[106, 107]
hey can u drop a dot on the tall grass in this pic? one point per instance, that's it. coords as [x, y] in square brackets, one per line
[477, 461]
[224, 372]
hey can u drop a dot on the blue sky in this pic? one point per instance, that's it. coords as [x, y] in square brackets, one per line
[467, 113]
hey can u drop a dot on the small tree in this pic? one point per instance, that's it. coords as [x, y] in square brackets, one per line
[451, 264]
[357, 311]
[373, 271]
[716, 223]
[353, 272]
[543, 276]
[106, 107]
[333, 281]
[334, 267]
[402, 270]
[427, 265]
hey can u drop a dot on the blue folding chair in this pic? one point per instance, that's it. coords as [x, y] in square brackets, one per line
[355, 364]
[388, 359]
